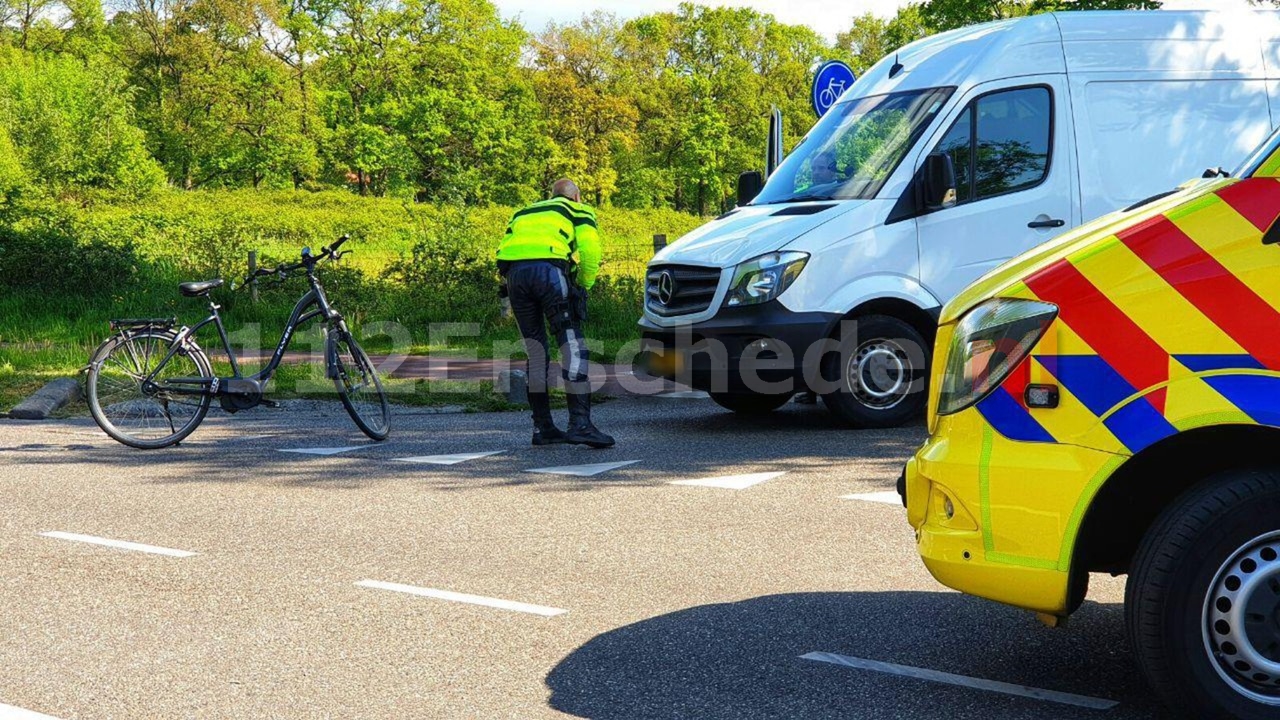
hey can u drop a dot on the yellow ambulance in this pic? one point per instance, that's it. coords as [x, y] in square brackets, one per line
[1110, 402]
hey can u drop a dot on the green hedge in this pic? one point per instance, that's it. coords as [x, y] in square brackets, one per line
[66, 266]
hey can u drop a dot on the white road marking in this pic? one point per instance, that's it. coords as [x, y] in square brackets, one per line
[322, 451]
[1083, 701]
[9, 712]
[122, 544]
[583, 470]
[464, 598]
[447, 459]
[888, 497]
[731, 482]
[685, 395]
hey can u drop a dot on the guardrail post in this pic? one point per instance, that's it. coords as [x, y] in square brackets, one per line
[253, 267]
[659, 242]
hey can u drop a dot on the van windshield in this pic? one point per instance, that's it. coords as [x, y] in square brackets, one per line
[854, 148]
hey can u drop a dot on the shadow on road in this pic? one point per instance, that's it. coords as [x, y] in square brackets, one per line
[741, 660]
[670, 439]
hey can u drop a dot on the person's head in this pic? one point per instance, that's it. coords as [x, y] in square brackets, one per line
[824, 167]
[566, 188]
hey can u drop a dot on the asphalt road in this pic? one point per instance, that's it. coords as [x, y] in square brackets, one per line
[679, 600]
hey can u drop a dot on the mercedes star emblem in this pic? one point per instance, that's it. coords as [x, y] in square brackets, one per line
[666, 288]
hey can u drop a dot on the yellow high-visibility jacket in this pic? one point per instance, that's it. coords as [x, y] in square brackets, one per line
[555, 229]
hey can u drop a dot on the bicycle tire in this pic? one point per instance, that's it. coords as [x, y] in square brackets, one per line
[376, 424]
[101, 415]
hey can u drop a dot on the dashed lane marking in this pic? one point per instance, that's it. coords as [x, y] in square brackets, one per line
[120, 544]
[447, 459]
[731, 482]
[1026, 691]
[583, 470]
[685, 395]
[463, 598]
[888, 497]
[9, 712]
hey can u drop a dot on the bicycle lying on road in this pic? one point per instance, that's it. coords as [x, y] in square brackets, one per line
[150, 385]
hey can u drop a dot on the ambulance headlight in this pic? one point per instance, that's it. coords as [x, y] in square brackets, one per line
[764, 278]
[987, 345]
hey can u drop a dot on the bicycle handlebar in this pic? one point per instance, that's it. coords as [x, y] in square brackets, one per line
[308, 261]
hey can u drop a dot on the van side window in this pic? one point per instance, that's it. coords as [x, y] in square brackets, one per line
[959, 145]
[1000, 143]
[1013, 141]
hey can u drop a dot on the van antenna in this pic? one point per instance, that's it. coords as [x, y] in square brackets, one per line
[897, 67]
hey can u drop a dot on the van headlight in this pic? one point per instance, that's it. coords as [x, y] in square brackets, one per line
[987, 345]
[764, 278]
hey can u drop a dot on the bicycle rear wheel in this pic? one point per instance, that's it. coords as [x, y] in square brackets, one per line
[154, 415]
[358, 384]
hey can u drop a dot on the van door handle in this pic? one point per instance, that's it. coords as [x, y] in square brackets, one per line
[1041, 224]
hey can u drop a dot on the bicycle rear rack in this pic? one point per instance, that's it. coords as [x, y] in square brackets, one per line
[143, 323]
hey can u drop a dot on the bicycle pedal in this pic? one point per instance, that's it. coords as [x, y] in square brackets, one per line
[274, 404]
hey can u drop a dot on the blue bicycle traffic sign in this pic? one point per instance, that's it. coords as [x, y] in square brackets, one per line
[829, 83]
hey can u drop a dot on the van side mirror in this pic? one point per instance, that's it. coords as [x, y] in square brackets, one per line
[938, 179]
[749, 186]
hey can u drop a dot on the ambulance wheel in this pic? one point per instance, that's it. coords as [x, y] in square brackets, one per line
[879, 374]
[1203, 600]
[749, 403]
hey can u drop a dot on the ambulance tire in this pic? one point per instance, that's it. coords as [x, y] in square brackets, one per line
[749, 403]
[881, 374]
[1197, 558]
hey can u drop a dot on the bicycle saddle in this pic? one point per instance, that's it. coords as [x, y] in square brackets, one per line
[196, 289]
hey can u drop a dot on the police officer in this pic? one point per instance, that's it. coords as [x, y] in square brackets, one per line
[549, 258]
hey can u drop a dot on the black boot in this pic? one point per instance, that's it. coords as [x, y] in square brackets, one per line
[581, 431]
[549, 434]
[545, 431]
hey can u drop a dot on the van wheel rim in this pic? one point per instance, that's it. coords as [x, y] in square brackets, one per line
[879, 374]
[1242, 620]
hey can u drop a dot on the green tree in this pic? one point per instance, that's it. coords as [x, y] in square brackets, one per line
[70, 125]
[703, 80]
[466, 109]
[590, 113]
[216, 107]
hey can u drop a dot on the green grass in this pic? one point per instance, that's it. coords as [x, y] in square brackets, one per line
[25, 368]
[68, 266]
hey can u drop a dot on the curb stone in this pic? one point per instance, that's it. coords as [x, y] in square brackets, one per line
[48, 399]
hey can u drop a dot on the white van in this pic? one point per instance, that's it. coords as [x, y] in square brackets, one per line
[959, 152]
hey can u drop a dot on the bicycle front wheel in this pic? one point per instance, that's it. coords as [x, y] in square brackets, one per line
[358, 385]
[148, 414]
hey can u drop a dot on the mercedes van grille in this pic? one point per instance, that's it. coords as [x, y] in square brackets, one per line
[680, 289]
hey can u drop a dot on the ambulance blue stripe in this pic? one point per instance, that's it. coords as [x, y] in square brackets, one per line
[1010, 419]
[1089, 378]
[1139, 425]
[1257, 396]
[1205, 363]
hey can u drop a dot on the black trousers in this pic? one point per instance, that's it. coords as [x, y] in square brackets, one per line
[540, 295]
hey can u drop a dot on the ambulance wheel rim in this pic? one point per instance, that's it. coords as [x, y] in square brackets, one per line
[1242, 620]
[879, 374]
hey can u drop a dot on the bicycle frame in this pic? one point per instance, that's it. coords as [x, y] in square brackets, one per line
[312, 305]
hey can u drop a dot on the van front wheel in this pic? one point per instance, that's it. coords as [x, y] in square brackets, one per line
[879, 373]
[1203, 600]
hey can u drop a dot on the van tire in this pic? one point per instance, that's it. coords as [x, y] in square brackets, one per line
[857, 402]
[749, 403]
[1190, 556]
